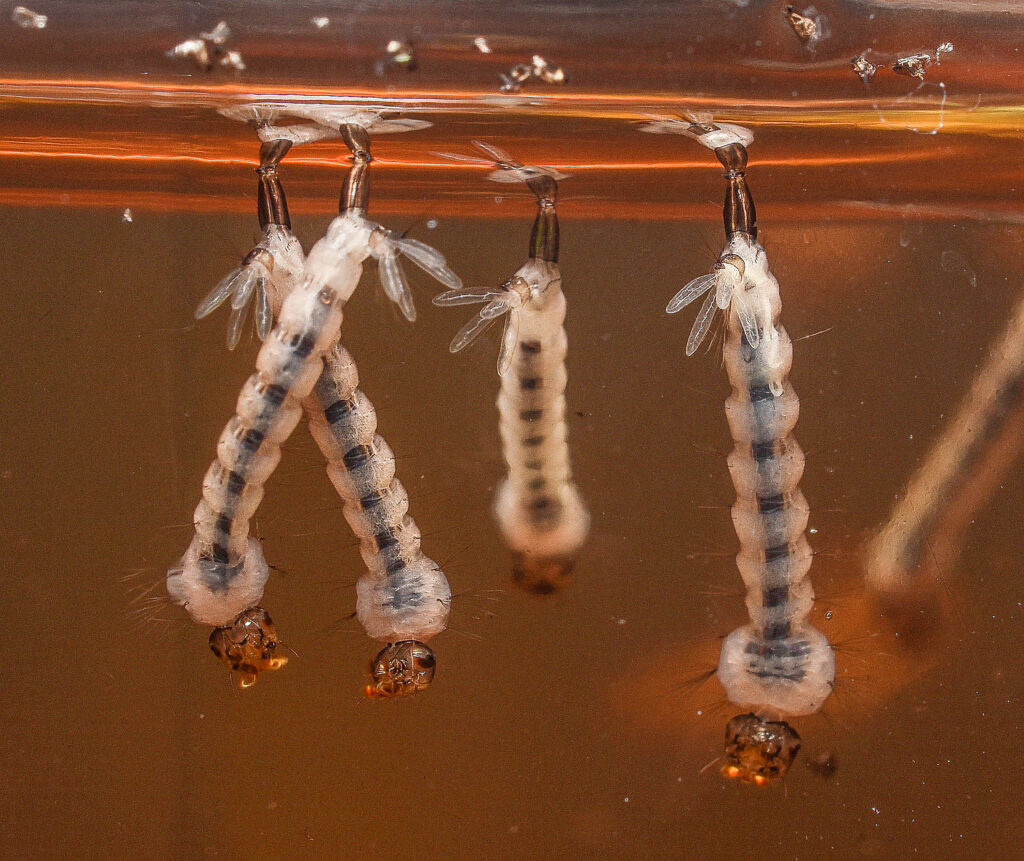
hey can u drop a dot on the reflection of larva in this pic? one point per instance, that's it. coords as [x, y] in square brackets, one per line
[538, 507]
[404, 598]
[779, 665]
[925, 531]
[221, 577]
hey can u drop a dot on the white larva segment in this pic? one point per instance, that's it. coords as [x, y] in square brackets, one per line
[288, 365]
[538, 507]
[777, 678]
[404, 595]
[779, 665]
[215, 593]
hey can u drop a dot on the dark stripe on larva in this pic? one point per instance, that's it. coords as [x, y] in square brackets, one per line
[540, 503]
[530, 415]
[776, 632]
[763, 451]
[251, 439]
[236, 483]
[536, 483]
[777, 502]
[534, 465]
[779, 552]
[530, 383]
[357, 456]
[775, 597]
[339, 409]
[532, 347]
[371, 499]
[385, 538]
[220, 554]
[274, 393]
[533, 440]
[301, 345]
[395, 565]
[224, 522]
[760, 393]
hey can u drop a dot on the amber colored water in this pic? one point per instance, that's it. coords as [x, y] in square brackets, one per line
[563, 726]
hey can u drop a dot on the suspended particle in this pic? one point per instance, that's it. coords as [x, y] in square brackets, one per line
[126, 216]
[864, 68]
[548, 73]
[402, 53]
[808, 25]
[915, 65]
[27, 19]
[481, 45]
[320, 21]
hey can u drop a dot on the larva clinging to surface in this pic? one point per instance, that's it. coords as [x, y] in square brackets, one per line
[220, 579]
[778, 666]
[538, 507]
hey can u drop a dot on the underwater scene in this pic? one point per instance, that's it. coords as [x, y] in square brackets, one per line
[523, 430]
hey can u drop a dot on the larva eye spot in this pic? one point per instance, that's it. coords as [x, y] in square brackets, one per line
[248, 645]
[542, 575]
[401, 669]
[759, 751]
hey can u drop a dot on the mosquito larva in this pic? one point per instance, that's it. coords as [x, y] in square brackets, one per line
[778, 666]
[220, 578]
[538, 507]
[404, 597]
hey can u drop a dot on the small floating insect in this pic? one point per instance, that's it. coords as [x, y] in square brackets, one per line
[779, 666]
[538, 507]
[209, 50]
[513, 80]
[810, 26]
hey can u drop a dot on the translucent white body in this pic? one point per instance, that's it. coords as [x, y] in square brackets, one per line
[404, 595]
[779, 665]
[220, 575]
[538, 507]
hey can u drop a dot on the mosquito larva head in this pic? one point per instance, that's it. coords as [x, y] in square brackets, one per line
[248, 645]
[759, 751]
[542, 575]
[401, 669]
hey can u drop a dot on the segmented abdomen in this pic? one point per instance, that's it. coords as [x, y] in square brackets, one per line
[778, 663]
[223, 571]
[538, 506]
[403, 595]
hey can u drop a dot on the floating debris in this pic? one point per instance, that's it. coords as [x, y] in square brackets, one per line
[916, 65]
[27, 19]
[809, 26]
[864, 68]
[320, 21]
[481, 45]
[207, 50]
[538, 67]
[402, 53]
[126, 216]
[823, 764]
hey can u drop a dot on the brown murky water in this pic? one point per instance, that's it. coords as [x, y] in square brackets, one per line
[572, 725]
